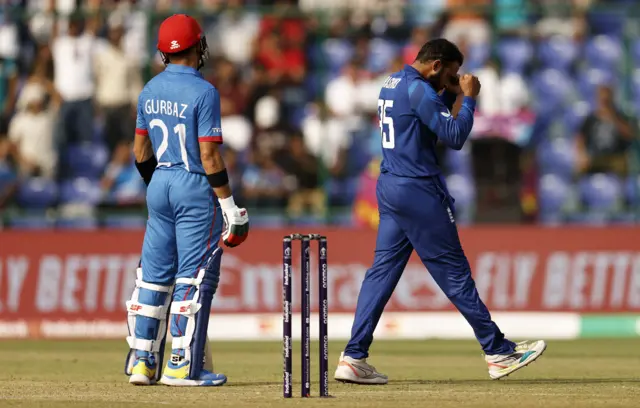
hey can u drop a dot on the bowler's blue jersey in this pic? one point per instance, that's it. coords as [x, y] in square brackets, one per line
[412, 119]
[177, 109]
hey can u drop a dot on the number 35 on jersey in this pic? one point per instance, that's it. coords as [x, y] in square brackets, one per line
[386, 123]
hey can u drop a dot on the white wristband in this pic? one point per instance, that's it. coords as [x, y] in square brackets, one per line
[227, 203]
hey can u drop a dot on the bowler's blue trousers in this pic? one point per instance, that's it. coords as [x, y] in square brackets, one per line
[418, 213]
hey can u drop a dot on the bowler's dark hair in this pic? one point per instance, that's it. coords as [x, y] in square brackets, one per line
[440, 49]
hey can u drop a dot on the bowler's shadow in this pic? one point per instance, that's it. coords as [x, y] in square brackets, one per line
[550, 381]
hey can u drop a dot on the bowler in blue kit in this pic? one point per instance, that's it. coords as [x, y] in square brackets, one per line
[190, 206]
[419, 106]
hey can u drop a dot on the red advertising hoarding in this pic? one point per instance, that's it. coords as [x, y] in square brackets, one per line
[89, 275]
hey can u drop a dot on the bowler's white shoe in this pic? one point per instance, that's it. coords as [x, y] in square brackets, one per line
[355, 371]
[526, 352]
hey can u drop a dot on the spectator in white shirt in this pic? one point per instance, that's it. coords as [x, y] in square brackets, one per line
[118, 84]
[348, 96]
[135, 20]
[341, 94]
[73, 79]
[235, 33]
[505, 94]
[31, 134]
[327, 138]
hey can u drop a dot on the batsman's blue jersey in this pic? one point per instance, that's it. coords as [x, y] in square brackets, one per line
[178, 109]
[413, 117]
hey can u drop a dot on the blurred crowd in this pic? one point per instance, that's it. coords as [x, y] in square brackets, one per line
[299, 82]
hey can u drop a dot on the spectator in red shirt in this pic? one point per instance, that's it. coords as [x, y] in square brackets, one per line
[233, 91]
[283, 61]
[280, 47]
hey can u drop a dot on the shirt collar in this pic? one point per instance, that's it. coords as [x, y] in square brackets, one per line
[411, 69]
[182, 69]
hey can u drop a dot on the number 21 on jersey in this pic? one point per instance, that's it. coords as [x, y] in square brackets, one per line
[388, 134]
[181, 130]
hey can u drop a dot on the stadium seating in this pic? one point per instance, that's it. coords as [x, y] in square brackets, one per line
[7, 176]
[632, 190]
[574, 116]
[80, 190]
[557, 157]
[635, 52]
[34, 221]
[562, 75]
[603, 51]
[337, 52]
[552, 89]
[37, 193]
[590, 79]
[342, 192]
[458, 162]
[636, 90]
[557, 53]
[514, 54]
[381, 53]
[125, 221]
[79, 223]
[601, 193]
[610, 22]
[554, 192]
[342, 218]
[477, 56]
[86, 160]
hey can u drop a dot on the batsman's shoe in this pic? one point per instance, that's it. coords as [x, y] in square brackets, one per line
[526, 352]
[143, 372]
[177, 375]
[355, 371]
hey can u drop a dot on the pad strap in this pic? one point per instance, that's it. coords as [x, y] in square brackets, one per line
[192, 281]
[185, 307]
[181, 342]
[149, 286]
[152, 346]
[140, 309]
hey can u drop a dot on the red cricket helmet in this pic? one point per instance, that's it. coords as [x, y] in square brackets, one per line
[179, 33]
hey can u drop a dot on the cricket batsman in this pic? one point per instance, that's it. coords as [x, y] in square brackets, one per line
[176, 150]
[417, 212]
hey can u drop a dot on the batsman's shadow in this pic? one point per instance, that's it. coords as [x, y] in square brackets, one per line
[550, 381]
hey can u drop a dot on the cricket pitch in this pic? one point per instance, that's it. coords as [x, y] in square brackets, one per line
[433, 373]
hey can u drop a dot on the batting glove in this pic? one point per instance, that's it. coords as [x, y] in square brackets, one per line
[236, 223]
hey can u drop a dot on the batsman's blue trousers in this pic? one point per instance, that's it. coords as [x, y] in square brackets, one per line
[418, 213]
[183, 230]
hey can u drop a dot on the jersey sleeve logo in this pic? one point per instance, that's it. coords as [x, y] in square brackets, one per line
[446, 114]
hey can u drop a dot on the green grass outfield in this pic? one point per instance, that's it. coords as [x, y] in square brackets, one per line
[442, 374]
